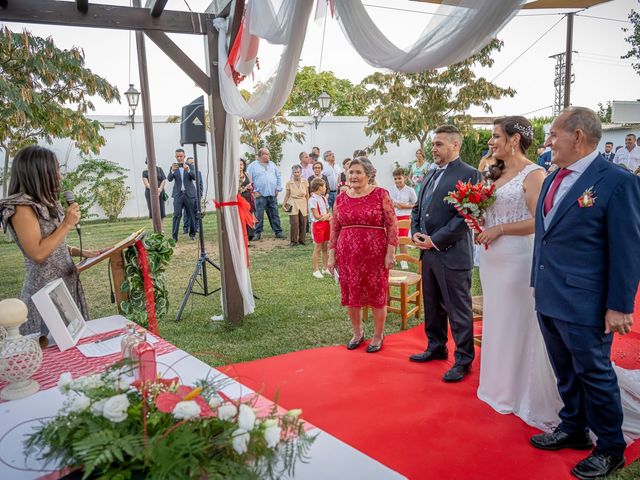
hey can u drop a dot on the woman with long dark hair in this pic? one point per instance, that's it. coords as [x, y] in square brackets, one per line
[33, 215]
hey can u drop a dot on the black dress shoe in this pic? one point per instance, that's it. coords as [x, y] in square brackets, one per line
[559, 439]
[353, 345]
[256, 237]
[456, 373]
[598, 464]
[427, 356]
[280, 236]
[375, 348]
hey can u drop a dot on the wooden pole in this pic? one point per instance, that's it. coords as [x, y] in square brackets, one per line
[568, 60]
[232, 304]
[148, 129]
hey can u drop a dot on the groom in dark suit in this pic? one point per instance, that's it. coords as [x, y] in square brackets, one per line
[447, 256]
[585, 272]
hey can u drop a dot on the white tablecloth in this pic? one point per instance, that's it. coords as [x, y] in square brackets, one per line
[330, 458]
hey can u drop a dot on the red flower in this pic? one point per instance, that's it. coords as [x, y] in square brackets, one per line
[167, 401]
[475, 198]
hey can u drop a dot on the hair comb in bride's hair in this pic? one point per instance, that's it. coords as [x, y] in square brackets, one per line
[526, 132]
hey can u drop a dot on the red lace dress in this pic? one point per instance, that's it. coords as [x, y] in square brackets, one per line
[361, 229]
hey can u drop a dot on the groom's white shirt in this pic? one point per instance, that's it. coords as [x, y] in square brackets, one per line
[577, 169]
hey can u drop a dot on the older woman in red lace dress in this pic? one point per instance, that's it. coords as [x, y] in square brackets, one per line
[364, 237]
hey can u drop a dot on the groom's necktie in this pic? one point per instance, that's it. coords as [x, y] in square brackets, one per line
[548, 200]
[431, 186]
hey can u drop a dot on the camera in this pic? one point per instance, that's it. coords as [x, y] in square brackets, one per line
[180, 165]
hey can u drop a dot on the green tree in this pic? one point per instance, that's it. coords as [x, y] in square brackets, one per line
[408, 106]
[634, 40]
[346, 98]
[96, 180]
[272, 134]
[45, 93]
[604, 113]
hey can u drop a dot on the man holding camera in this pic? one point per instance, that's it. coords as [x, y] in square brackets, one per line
[184, 194]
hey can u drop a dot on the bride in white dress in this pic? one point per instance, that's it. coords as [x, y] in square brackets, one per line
[515, 373]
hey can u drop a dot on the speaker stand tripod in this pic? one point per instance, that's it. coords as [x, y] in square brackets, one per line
[199, 275]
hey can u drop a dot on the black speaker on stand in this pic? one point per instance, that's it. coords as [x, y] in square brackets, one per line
[193, 131]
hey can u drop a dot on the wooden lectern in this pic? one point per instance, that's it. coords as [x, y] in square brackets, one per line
[116, 256]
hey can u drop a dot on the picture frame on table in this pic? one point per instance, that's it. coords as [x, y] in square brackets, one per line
[60, 313]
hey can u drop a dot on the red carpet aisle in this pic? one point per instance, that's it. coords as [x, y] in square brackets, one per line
[404, 416]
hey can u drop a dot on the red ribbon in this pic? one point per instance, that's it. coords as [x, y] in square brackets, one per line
[476, 226]
[246, 217]
[149, 292]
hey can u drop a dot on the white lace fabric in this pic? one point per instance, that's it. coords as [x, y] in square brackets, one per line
[510, 206]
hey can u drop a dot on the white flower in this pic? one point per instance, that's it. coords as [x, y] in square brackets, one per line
[272, 435]
[227, 411]
[89, 382]
[65, 381]
[122, 383]
[186, 410]
[79, 402]
[296, 412]
[246, 417]
[115, 408]
[240, 440]
[215, 402]
[98, 407]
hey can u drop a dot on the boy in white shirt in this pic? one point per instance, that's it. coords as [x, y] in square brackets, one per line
[404, 198]
[321, 228]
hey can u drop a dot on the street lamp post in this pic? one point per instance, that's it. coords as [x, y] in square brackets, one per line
[133, 97]
[324, 102]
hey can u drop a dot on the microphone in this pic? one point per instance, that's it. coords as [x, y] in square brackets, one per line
[70, 198]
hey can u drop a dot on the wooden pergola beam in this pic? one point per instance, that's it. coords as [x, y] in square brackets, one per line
[156, 7]
[51, 12]
[180, 58]
[82, 5]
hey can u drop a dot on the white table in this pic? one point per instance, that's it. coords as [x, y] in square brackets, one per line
[330, 458]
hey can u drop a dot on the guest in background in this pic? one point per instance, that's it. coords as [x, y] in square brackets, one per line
[360, 153]
[244, 189]
[305, 165]
[34, 216]
[315, 151]
[629, 155]
[344, 185]
[608, 153]
[295, 204]
[196, 207]
[364, 237]
[404, 198]
[162, 180]
[419, 170]
[183, 193]
[332, 172]
[317, 173]
[486, 162]
[267, 183]
[544, 157]
[321, 227]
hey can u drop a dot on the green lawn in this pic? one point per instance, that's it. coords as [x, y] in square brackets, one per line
[294, 311]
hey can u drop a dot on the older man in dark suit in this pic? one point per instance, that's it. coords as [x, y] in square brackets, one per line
[447, 256]
[585, 273]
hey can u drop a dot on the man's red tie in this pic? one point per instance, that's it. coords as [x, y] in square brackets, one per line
[548, 200]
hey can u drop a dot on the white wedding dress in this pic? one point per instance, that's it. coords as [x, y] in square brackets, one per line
[515, 373]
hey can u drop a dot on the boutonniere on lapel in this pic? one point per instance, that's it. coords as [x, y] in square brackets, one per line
[587, 199]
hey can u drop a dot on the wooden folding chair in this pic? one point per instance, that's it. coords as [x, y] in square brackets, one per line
[477, 318]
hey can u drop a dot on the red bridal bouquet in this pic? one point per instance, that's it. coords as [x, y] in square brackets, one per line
[471, 201]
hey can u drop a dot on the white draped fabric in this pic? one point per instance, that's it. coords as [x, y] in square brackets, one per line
[459, 29]
[235, 230]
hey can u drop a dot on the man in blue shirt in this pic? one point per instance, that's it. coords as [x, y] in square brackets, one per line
[266, 186]
[544, 158]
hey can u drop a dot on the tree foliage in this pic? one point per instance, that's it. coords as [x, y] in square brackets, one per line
[45, 93]
[272, 134]
[634, 40]
[96, 180]
[604, 112]
[408, 106]
[347, 99]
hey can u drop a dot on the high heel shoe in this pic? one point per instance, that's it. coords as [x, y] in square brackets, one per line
[353, 345]
[375, 348]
